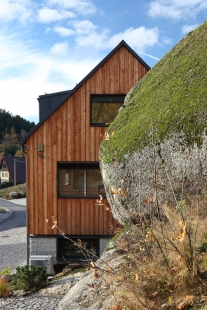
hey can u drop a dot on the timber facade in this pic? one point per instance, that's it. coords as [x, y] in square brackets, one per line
[66, 135]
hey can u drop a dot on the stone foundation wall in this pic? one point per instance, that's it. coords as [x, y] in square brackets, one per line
[43, 246]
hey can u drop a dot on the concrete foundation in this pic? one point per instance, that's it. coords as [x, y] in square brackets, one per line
[43, 246]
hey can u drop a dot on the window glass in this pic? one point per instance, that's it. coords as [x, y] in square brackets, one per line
[79, 181]
[104, 113]
[94, 182]
[68, 250]
[78, 178]
[104, 108]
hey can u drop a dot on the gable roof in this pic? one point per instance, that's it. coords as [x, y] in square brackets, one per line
[20, 168]
[122, 43]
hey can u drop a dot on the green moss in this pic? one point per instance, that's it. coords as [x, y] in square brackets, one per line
[171, 98]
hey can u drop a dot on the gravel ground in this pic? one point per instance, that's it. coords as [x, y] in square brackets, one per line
[13, 249]
[30, 303]
[13, 253]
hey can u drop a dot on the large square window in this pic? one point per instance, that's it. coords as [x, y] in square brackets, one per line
[104, 108]
[79, 180]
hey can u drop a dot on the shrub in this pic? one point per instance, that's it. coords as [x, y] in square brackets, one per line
[29, 278]
[5, 271]
[5, 288]
[164, 262]
[6, 184]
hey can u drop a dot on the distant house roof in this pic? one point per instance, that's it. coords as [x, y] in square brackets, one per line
[122, 43]
[20, 164]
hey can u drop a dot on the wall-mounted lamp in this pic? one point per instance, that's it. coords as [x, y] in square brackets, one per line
[40, 148]
[41, 156]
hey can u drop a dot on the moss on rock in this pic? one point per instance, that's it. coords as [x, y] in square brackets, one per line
[171, 98]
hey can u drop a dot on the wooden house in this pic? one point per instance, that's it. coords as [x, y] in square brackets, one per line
[62, 151]
[1, 162]
[13, 169]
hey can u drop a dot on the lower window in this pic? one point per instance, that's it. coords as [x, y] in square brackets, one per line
[69, 249]
[79, 180]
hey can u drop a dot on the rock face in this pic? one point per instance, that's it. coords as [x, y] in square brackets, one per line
[157, 147]
[92, 290]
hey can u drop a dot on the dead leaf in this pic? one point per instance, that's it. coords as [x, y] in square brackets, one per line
[182, 233]
[136, 277]
[96, 275]
[152, 199]
[93, 264]
[80, 242]
[113, 190]
[91, 287]
[121, 192]
[108, 268]
[106, 136]
[117, 307]
[170, 301]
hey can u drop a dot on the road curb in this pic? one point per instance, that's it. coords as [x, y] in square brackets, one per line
[5, 216]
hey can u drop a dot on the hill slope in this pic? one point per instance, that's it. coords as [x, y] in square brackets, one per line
[7, 121]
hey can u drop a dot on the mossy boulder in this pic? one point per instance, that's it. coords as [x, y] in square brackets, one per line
[157, 147]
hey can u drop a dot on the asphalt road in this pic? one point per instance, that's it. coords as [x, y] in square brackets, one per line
[17, 219]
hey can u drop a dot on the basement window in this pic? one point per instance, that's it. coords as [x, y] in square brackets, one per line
[79, 180]
[104, 109]
[68, 250]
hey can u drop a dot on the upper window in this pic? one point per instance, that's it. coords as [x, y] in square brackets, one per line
[104, 108]
[79, 180]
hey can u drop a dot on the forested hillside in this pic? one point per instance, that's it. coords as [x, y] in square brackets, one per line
[12, 130]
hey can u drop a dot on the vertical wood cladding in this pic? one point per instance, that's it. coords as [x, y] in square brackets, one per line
[67, 136]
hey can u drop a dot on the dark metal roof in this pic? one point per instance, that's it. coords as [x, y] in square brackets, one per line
[20, 168]
[48, 101]
[65, 92]
[122, 43]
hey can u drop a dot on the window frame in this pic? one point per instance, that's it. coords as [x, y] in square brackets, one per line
[104, 98]
[79, 166]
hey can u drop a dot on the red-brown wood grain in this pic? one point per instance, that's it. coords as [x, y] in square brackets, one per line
[68, 136]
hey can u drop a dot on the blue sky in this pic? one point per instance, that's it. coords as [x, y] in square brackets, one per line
[49, 46]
